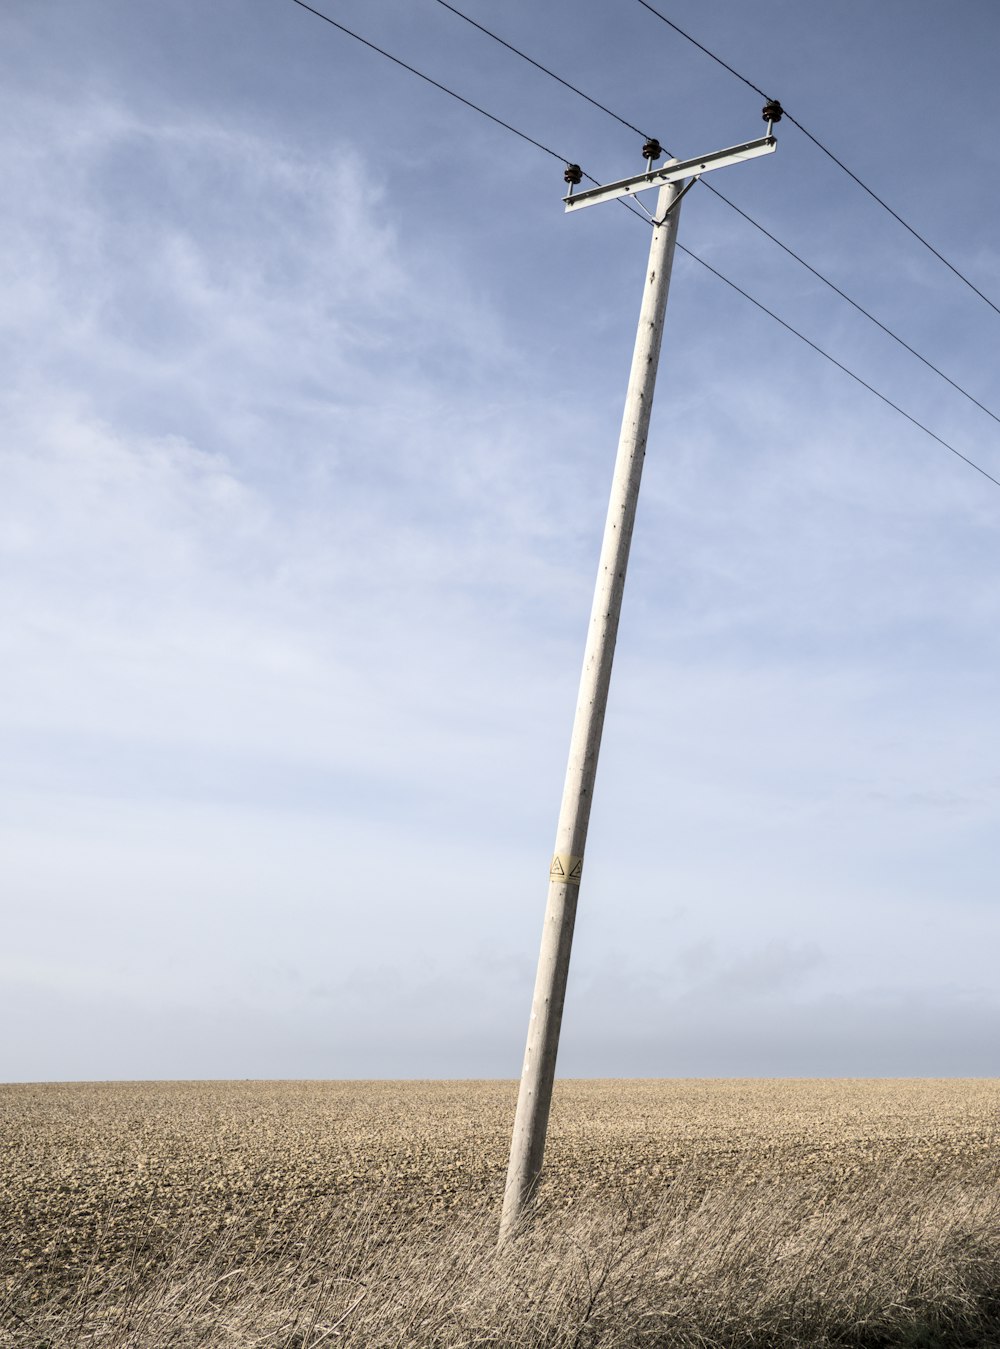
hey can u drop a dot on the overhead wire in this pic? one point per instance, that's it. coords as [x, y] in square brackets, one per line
[647, 220]
[853, 303]
[828, 152]
[437, 85]
[722, 197]
[840, 366]
[538, 66]
[895, 215]
[718, 59]
[460, 98]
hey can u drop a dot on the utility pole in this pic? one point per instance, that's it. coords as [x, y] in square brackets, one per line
[674, 179]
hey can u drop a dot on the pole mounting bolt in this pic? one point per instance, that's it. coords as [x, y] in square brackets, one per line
[652, 149]
[573, 174]
[772, 111]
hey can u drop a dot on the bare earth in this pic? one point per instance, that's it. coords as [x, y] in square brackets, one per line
[97, 1175]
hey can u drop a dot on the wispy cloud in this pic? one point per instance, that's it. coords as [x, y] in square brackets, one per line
[300, 514]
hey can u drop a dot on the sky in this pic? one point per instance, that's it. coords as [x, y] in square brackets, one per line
[310, 400]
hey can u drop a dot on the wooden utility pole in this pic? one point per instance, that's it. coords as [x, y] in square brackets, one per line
[566, 869]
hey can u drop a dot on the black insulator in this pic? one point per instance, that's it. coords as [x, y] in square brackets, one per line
[573, 174]
[772, 111]
[652, 149]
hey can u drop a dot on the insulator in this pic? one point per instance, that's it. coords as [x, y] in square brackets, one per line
[652, 149]
[573, 174]
[772, 111]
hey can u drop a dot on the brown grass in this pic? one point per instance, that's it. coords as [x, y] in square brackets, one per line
[365, 1214]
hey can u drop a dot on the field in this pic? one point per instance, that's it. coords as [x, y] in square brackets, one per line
[294, 1214]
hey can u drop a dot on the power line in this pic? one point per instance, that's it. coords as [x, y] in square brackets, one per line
[895, 215]
[860, 308]
[746, 295]
[829, 153]
[847, 371]
[420, 75]
[749, 218]
[498, 121]
[538, 66]
[717, 59]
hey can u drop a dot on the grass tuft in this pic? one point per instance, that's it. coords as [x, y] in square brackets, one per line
[893, 1261]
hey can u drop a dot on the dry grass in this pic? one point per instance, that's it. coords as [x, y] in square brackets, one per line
[364, 1214]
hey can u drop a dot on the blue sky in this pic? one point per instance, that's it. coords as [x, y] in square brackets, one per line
[310, 403]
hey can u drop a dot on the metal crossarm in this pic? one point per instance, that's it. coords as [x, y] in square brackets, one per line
[671, 172]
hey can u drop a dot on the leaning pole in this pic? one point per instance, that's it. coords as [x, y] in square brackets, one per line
[534, 1099]
[538, 1072]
